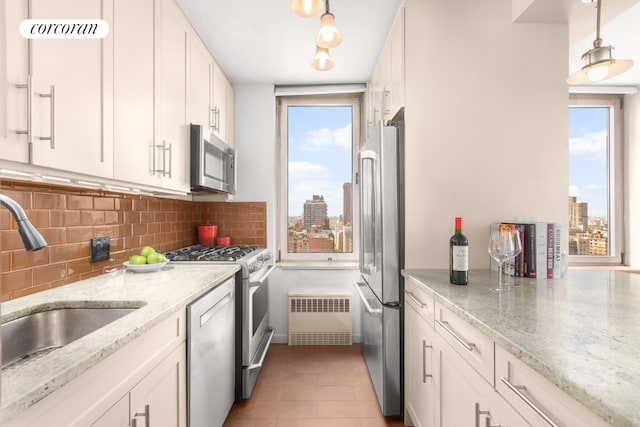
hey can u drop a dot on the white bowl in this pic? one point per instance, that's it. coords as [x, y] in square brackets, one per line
[144, 268]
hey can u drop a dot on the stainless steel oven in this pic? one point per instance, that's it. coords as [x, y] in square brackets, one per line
[253, 335]
[256, 332]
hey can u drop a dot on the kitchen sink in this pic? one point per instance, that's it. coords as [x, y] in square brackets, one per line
[39, 333]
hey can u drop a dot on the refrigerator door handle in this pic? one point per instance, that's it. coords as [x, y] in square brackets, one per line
[372, 311]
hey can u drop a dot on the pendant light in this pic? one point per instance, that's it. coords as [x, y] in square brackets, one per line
[307, 8]
[599, 62]
[322, 61]
[328, 36]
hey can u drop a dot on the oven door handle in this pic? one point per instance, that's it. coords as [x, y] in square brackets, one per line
[260, 281]
[253, 366]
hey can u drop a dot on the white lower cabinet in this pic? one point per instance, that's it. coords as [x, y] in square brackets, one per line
[160, 396]
[457, 376]
[420, 378]
[466, 399]
[146, 376]
[541, 402]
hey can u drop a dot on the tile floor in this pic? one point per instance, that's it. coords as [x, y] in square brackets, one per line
[312, 386]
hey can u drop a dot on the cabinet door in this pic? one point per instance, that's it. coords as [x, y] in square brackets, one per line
[72, 93]
[466, 399]
[397, 65]
[13, 75]
[172, 142]
[200, 83]
[231, 105]
[419, 369]
[116, 416]
[220, 85]
[134, 44]
[161, 396]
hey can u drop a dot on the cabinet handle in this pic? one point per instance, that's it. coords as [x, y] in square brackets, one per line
[445, 325]
[170, 158]
[386, 93]
[518, 390]
[425, 346]
[164, 149]
[415, 299]
[146, 414]
[487, 419]
[29, 89]
[52, 96]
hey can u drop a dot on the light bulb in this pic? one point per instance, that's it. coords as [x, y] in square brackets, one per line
[598, 72]
[327, 35]
[307, 6]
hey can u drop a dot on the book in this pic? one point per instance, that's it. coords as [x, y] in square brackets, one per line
[541, 255]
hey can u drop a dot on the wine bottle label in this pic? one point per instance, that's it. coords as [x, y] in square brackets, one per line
[460, 258]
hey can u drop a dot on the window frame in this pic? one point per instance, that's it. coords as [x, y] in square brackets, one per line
[338, 99]
[615, 170]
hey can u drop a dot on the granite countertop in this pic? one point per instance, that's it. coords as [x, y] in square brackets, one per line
[581, 332]
[158, 295]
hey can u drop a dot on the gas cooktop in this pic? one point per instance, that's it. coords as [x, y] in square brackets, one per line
[210, 253]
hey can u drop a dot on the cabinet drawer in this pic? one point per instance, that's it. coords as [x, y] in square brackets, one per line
[420, 300]
[471, 344]
[536, 398]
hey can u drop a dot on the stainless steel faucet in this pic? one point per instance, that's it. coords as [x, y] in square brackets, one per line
[33, 241]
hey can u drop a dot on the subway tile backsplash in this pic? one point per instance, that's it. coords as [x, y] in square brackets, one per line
[69, 218]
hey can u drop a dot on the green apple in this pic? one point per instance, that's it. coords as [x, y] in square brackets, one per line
[146, 251]
[154, 258]
[137, 260]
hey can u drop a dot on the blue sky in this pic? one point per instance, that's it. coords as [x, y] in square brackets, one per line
[320, 156]
[588, 157]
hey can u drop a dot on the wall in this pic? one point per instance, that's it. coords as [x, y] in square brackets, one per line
[486, 124]
[68, 218]
[632, 179]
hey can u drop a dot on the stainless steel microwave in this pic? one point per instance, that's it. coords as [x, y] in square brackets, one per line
[213, 163]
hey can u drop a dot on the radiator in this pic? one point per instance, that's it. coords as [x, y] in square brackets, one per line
[320, 319]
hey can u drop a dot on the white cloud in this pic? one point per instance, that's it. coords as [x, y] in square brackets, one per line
[306, 169]
[324, 139]
[593, 145]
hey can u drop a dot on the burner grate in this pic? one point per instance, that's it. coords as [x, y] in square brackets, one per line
[210, 253]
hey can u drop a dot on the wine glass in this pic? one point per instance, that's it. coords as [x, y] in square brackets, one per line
[502, 246]
[517, 250]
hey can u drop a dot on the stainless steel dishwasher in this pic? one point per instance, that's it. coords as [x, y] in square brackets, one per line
[210, 356]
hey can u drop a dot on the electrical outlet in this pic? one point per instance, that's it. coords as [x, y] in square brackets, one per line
[100, 249]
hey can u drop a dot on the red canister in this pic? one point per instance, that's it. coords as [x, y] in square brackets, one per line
[207, 234]
[224, 241]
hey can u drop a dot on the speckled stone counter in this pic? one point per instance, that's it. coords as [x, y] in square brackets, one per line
[158, 295]
[581, 332]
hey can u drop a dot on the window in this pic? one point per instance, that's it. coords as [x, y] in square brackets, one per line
[318, 136]
[595, 179]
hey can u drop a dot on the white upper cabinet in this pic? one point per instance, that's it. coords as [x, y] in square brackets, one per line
[117, 108]
[200, 83]
[13, 92]
[72, 93]
[65, 89]
[134, 91]
[210, 93]
[386, 87]
[171, 154]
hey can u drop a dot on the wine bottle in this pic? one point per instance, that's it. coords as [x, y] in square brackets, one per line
[458, 256]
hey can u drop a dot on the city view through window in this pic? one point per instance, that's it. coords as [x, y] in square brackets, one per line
[319, 179]
[589, 195]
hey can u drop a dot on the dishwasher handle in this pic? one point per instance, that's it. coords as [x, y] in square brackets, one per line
[211, 312]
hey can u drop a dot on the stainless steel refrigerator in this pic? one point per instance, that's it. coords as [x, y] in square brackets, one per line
[381, 176]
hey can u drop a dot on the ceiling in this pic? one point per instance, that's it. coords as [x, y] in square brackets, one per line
[263, 41]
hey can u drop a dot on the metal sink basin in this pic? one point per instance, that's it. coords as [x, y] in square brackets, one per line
[39, 333]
